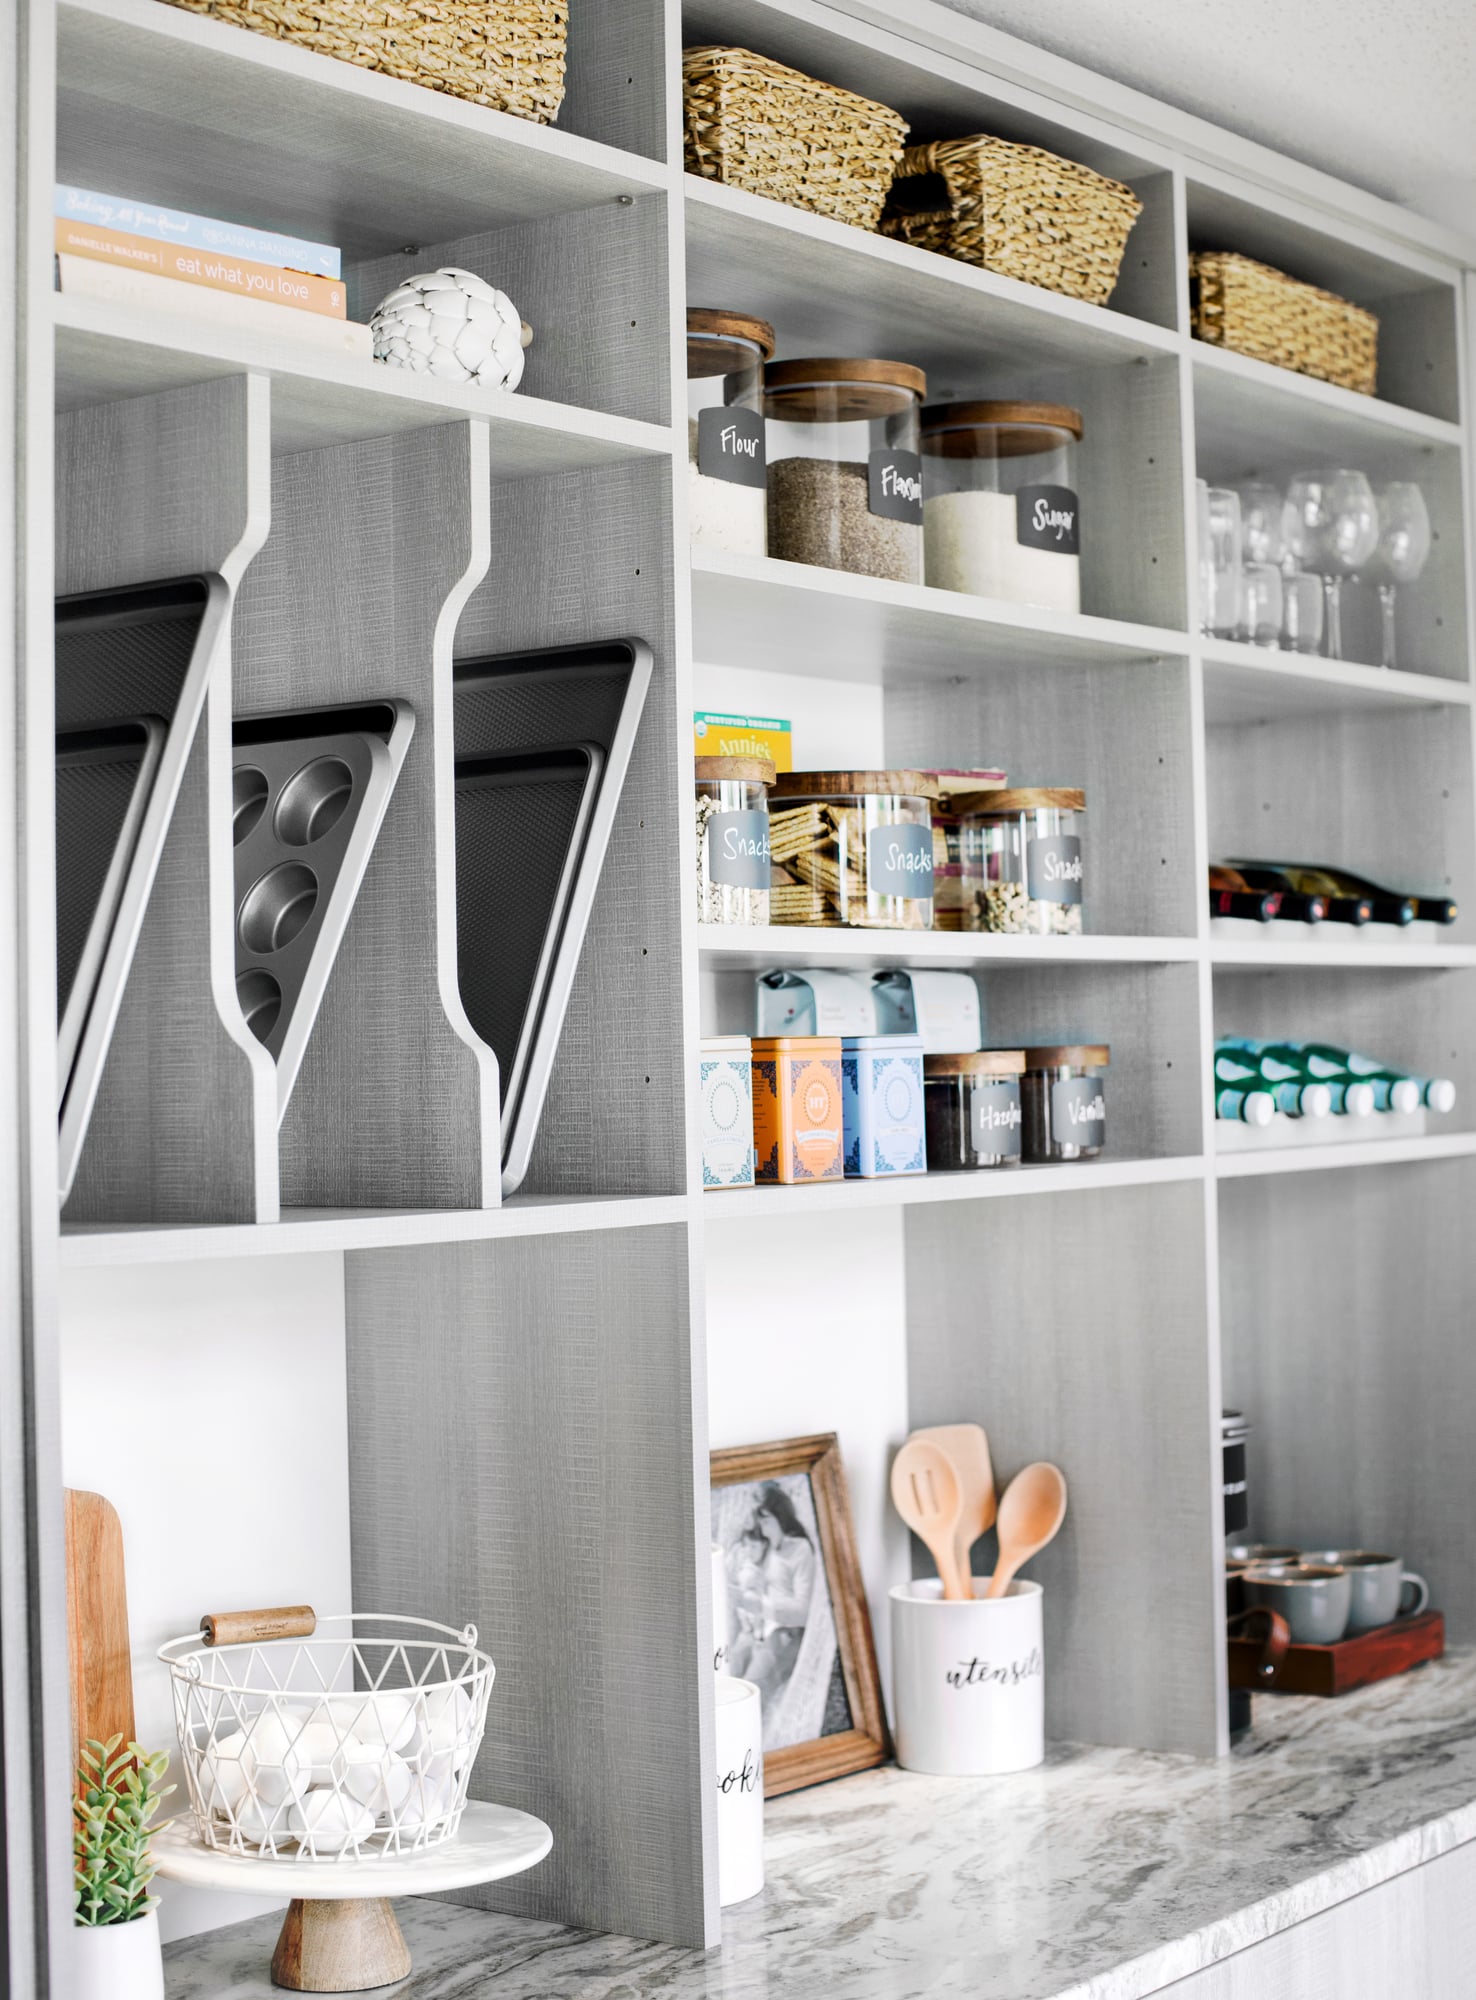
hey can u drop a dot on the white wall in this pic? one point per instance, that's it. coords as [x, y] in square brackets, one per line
[806, 1332]
[208, 1403]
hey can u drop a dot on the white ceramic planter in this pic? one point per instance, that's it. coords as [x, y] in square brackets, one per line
[719, 1610]
[968, 1680]
[740, 1789]
[117, 1961]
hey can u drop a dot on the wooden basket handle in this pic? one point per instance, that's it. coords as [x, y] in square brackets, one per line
[239, 1628]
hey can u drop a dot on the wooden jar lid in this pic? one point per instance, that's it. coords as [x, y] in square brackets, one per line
[977, 1062]
[1013, 799]
[831, 391]
[735, 771]
[861, 784]
[1084, 1055]
[724, 341]
[996, 430]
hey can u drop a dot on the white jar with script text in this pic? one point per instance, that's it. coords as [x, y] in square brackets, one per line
[739, 1730]
[968, 1679]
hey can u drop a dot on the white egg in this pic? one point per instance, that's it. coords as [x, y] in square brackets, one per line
[320, 1752]
[225, 1774]
[328, 1822]
[259, 1824]
[449, 1713]
[277, 1768]
[376, 1777]
[388, 1718]
[429, 1799]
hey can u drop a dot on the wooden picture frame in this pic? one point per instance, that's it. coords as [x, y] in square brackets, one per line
[866, 1742]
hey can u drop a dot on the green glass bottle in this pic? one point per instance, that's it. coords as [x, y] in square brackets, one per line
[1290, 1088]
[1350, 1096]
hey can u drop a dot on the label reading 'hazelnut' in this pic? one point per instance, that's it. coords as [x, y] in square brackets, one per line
[994, 1119]
[1053, 868]
[899, 861]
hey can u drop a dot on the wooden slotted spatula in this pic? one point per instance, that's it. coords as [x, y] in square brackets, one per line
[925, 1492]
[968, 1447]
[97, 1623]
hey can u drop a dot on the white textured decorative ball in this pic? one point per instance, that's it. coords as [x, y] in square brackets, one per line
[453, 325]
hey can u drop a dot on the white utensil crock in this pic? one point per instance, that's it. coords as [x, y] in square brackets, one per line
[117, 1961]
[719, 1611]
[968, 1679]
[740, 1789]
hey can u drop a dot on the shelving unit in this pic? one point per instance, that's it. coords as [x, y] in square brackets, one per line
[522, 1395]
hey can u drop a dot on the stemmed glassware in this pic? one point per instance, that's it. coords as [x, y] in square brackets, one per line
[1331, 524]
[1402, 552]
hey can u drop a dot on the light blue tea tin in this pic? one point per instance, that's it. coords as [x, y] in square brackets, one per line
[882, 1094]
[725, 1085]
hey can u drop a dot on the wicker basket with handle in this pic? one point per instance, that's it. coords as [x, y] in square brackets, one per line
[755, 124]
[509, 56]
[1016, 210]
[1263, 313]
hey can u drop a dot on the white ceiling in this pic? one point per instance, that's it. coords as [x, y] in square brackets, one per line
[1379, 93]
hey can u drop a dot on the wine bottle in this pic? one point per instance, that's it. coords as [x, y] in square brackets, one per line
[1295, 906]
[1436, 910]
[1250, 1107]
[1388, 906]
[1232, 896]
[1342, 908]
[1351, 1097]
[1289, 1088]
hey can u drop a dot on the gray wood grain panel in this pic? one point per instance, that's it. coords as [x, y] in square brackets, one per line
[521, 1455]
[1122, 731]
[1414, 1937]
[1073, 1327]
[355, 597]
[583, 557]
[183, 1126]
[617, 75]
[1346, 1321]
[592, 286]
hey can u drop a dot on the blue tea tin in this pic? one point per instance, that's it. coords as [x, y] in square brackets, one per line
[882, 1098]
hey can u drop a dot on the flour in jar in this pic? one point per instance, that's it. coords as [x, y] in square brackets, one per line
[970, 544]
[721, 514]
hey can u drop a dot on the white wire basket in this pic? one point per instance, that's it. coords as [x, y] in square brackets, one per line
[355, 1743]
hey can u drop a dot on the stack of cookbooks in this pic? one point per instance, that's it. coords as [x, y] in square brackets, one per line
[139, 254]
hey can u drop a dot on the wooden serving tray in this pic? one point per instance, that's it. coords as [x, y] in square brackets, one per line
[1352, 1663]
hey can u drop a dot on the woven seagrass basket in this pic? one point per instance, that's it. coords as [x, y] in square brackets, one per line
[755, 124]
[509, 56]
[1263, 313]
[1016, 210]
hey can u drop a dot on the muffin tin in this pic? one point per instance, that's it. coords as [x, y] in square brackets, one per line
[308, 793]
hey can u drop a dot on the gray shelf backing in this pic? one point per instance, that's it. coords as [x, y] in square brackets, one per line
[356, 594]
[155, 488]
[579, 557]
[521, 1451]
[1074, 1329]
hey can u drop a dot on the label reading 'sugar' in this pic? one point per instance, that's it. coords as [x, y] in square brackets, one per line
[1048, 517]
[899, 861]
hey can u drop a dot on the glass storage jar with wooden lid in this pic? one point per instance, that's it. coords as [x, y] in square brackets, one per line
[845, 476]
[733, 839]
[971, 1103]
[727, 479]
[1020, 849]
[1001, 517]
[1064, 1102]
[852, 847]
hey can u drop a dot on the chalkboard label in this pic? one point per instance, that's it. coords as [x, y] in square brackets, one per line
[1078, 1111]
[1048, 517]
[994, 1119]
[894, 485]
[899, 861]
[738, 849]
[730, 445]
[1053, 868]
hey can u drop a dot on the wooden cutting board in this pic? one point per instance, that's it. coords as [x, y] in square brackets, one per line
[97, 1622]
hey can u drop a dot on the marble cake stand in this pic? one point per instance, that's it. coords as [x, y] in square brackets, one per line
[340, 1934]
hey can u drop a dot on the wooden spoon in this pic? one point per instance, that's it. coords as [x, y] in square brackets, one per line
[927, 1494]
[968, 1447]
[1033, 1508]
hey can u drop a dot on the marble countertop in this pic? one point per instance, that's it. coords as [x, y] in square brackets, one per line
[1103, 1875]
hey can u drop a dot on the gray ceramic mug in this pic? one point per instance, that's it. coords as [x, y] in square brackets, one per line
[1381, 1586]
[1314, 1598]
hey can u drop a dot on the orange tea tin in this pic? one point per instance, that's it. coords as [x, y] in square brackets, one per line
[797, 1115]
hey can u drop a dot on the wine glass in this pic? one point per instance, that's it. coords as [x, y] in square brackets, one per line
[1262, 536]
[1403, 550]
[1331, 522]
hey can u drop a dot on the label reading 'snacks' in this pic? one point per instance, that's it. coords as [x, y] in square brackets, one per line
[894, 485]
[899, 861]
[994, 1119]
[1053, 868]
[738, 849]
[1078, 1111]
[730, 445]
[1048, 517]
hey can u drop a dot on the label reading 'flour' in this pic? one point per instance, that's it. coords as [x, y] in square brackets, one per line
[899, 861]
[994, 1119]
[738, 849]
[894, 485]
[1078, 1111]
[730, 445]
[1048, 517]
[1053, 868]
